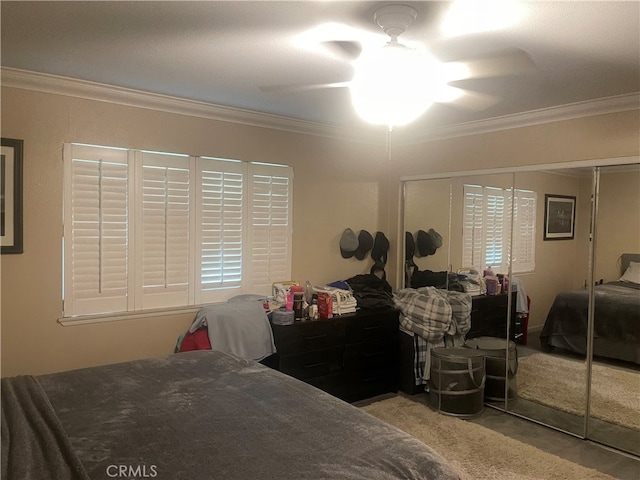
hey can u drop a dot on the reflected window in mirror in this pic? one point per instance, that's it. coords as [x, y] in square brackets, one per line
[486, 233]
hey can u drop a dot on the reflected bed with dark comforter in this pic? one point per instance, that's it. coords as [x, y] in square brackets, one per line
[616, 319]
[196, 415]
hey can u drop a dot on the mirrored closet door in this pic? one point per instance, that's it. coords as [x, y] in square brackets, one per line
[472, 214]
[614, 401]
[427, 206]
[552, 367]
[578, 367]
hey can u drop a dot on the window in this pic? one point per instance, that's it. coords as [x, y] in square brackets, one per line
[487, 225]
[146, 230]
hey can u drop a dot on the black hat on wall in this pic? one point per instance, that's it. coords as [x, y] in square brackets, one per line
[365, 243]
[428, 242]
[348, 243]
[380, 248]
[409, 246]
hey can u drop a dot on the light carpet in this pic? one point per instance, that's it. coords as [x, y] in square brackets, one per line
[476, 452]
[560, 383]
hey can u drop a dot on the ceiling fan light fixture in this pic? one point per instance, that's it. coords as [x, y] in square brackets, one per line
[390, 110]
[395, 19]
[394, 85]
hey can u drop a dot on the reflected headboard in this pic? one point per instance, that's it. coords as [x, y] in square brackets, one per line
[625, 258]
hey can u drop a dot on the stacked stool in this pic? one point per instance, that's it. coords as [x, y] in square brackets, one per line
[457, 380]
[501, 368]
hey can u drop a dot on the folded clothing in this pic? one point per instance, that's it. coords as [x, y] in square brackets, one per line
[343, 300]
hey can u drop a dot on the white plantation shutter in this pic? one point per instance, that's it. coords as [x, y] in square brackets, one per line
[270, 230]
[96, 231]
[220, 218]
[472, 231]
[148, 230]
[524, 231]
[487, 227]
[164, 230]
[495, 230]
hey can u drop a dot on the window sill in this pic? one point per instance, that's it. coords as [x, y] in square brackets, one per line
[118, 317]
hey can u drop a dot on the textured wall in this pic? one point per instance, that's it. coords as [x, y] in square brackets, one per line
[337, 184]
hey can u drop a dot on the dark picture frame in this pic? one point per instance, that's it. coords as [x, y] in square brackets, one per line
[559, 217]
[11, 196]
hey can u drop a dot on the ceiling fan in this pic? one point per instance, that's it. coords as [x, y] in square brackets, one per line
[394, 84]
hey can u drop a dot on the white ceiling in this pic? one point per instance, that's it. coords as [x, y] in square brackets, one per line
[223, 52]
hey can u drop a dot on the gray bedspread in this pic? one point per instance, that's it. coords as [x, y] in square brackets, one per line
[210, 415]
[27, 416]
[616, 322]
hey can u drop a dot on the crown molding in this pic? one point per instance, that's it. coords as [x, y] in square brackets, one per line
[59, 85]
[600, 106]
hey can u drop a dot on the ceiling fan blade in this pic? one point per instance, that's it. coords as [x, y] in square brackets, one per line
[344, 49]
[504, 63]
[283, 89]
[466, 99]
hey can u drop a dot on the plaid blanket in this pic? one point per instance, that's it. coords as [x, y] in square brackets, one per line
[432, 313]
[436, 318]
[425, 313]
[460, 310]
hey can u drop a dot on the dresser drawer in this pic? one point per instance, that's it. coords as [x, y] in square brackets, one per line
[352, 356]
[371, 355]
[363, 328]
[313, 364]
[489, 316]
[489, 305]
[308, 336]
[372, 383]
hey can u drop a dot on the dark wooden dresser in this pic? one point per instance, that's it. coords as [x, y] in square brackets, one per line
[352, 356]
[489, 316]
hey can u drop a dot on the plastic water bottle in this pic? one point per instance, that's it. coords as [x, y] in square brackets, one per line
[308, 292]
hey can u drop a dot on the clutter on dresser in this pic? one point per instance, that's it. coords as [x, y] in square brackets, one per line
[282, 316]
[371, 291]
[335, 299]
[311, 302]
[281, 291]
[472, 281]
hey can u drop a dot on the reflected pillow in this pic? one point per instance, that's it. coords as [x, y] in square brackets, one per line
[632, 274]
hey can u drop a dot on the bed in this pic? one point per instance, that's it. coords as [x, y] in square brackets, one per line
[196, 415]
[616, 317]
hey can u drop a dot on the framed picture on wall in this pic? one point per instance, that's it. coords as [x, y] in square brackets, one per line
[559, 217]
[11, 196]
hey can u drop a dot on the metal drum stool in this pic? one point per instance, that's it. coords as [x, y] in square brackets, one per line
[495, 350]
[456, 383]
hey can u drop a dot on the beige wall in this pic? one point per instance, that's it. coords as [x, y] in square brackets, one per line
[560, 264]
[337, 184]
[427, 205]
[618, 221]
[602, 136]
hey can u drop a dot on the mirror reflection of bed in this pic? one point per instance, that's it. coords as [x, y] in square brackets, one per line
[616, 316]
[615, 371]
[552, 385]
